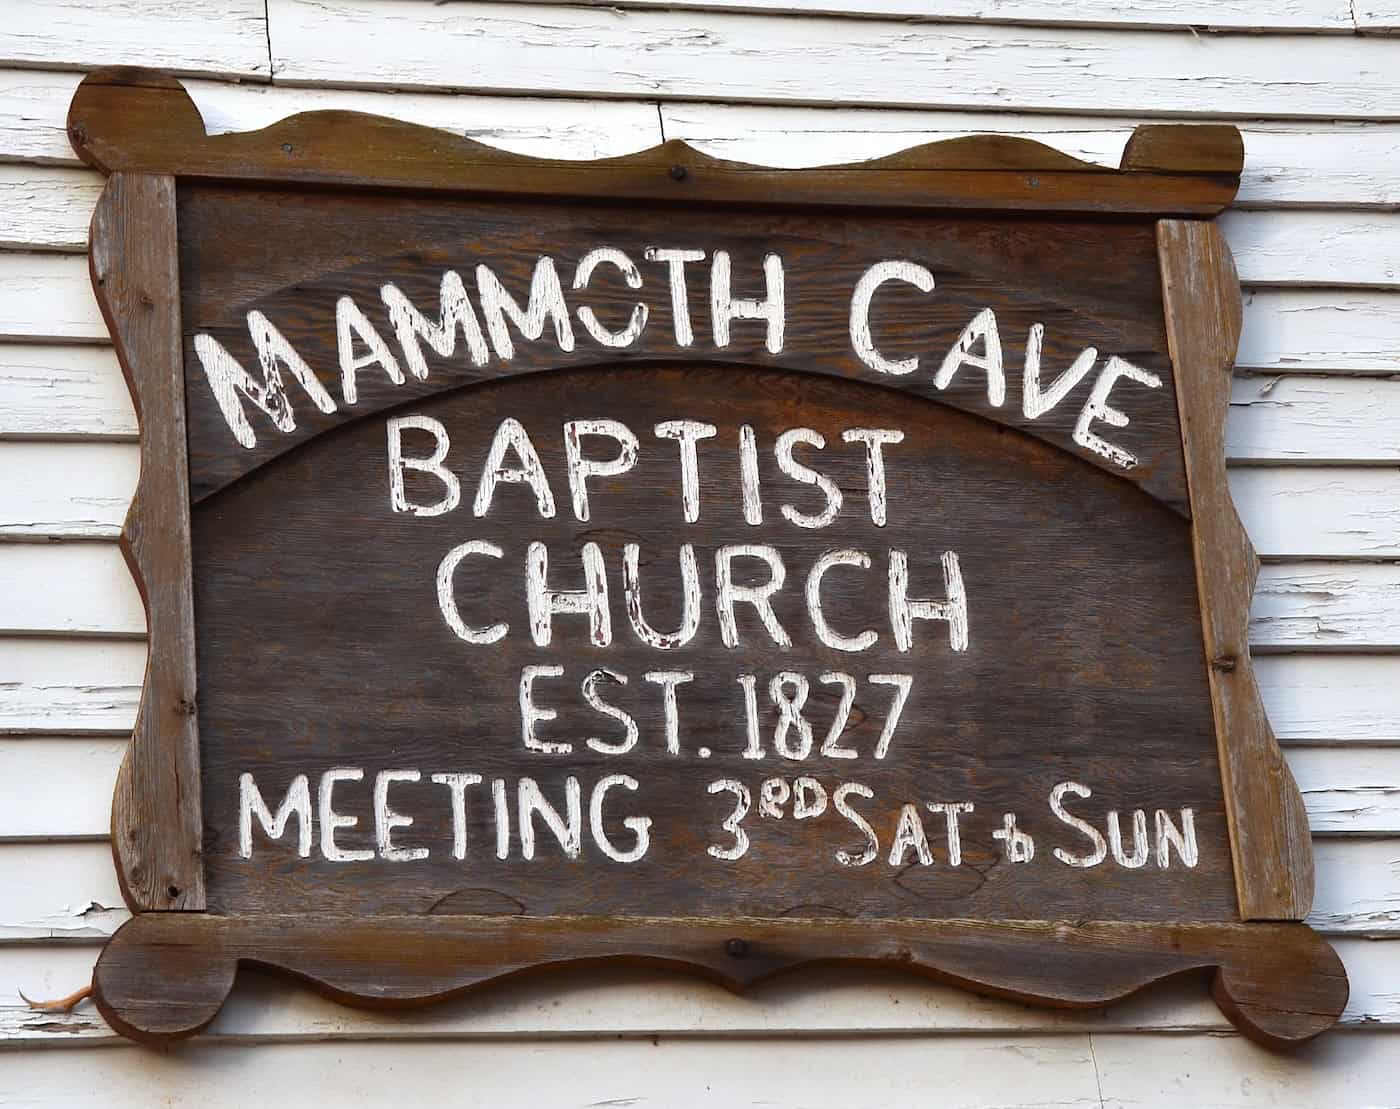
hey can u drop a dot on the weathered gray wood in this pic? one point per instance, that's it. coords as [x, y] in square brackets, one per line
[156, 813]
[1268, 826]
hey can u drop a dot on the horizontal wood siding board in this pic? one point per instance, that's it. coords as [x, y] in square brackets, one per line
[74, 392]
[57, 788]
[762, 58]
[91, 686]
[1294, 15]
[218, 37]
[1312, 418]
[60, 788]
[1007, 1071]
[48, 298]
[81, 491]
[1298, 606]
[60, 392]
[70, 687]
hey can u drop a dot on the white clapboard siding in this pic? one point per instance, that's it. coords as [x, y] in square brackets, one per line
[1353, 249]
[66, 490]
[69, 392]
[1299, 15]
[1344, 164]
[1317, 512]
[636, 1002]
[1298, 606]
[58, 891]
[1350, 792]
[48, 297]
[1337, 699]
[49, 208]
[57, 490]
[61, 788]
[56, 789]
[1376, 16]
[225, 37]
[1320, 330]
[1309, 418]
[819, 60]
[1358, 886]
[92, 687]
[1068, 1071]
[1326, 606]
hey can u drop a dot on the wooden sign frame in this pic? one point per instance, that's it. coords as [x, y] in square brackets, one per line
[166, 973]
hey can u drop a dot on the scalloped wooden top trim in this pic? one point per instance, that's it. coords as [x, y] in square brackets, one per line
[137, 120]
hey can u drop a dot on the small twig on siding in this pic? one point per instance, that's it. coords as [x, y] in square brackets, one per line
[60, 1005]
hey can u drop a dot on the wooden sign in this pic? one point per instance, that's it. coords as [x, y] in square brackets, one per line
[670, 560]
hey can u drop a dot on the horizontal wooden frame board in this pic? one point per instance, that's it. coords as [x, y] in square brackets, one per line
[60, 788]
[48, 298]
[1287, 164]
[1324, 163]
[224, 37]
[566, 50]
[51, 391]
[49, 208]
[82, 491]
[636, 1002]
[1248, 15]
[91, 687]
[1006, 1072]
[1298, 606]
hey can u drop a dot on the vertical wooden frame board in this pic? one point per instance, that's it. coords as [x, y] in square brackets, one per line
[669, 560]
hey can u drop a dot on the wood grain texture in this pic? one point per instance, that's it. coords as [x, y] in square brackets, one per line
[216, 37]
[80, 491]
[1280, 984]
[1310, 15]
[59, 788]
[1268, 826]
[156, 810]
[1287, 163]
[760, 58]
[92, 686]
[142, 121]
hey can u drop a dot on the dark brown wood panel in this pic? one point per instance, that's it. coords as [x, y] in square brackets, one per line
[1084, 662]
[293, 255]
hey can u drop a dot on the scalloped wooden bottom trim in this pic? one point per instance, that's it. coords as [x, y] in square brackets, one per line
[165, 975]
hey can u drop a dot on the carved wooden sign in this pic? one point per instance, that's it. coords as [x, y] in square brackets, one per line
[671, 560]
